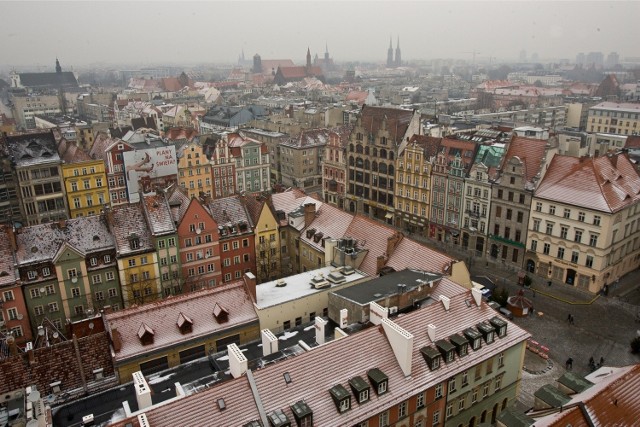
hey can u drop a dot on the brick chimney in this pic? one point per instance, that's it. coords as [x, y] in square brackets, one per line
[250, 284]
[393, 242]
[309, 213]
[11, 235]
[380, 262]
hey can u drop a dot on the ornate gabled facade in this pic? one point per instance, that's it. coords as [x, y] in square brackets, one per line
[378, 138]
[334, 167]
[475, 215]
[522, 168]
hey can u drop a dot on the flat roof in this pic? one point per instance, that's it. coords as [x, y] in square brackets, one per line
[375, 289]
[298, 286]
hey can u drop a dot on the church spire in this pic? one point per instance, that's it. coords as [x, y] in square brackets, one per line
[390, 53]
[58, 67]
[308, 58]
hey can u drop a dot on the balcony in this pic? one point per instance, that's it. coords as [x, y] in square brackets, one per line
[472, 213]
[507, 241]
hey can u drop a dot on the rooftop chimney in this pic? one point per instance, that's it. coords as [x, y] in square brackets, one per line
[250, 283]
[377, 313]
[143, 392]
[401, 343]
[477, 296]
[237, 361]
[309, 213]
[269, 342]
[393, 242]
[445, 302]
[431, 330]
[320, 323]
[380, 262]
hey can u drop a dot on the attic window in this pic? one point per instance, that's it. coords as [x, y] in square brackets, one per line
[317, 237]
[379, 380]
[185, 324]
[431, 356]
[341, 398]
[145, 334]
[446, 349]
[474, 338]
[487, 332]
[96, 238]
[134, 241]
[311, 232]
[220, 313]
[500, 325]
[221, 405]
[302, 413]
[278, 418]
[461, 344]
[360, 389]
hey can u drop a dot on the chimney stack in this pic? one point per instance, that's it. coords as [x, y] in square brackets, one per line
[401, 343]
[250, 283]
[237, 361]
[143, 392]
[445, 302]
[377, 313]
[477, 296]
[319, 325]
[269, 342]
[431, 330]
[309, 213]
[393, 242]
[381, 260]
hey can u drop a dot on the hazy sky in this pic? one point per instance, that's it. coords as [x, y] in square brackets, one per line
[86, 32]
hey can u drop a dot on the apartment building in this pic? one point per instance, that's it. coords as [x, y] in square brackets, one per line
[251, 163]
[621, 118]
[194, 171]
[377, 139]
[272, 139]
[301, 159]
[15, 320]
[584, 222]
[110, 151]
[38, 169]
[334, 167]
[413, 184]
[85, 180]
[523, 167]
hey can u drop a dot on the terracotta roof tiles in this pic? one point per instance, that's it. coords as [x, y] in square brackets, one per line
[530, 151]
[397, 121]
[607, 183]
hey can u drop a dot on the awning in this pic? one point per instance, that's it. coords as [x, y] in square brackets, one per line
[388, 216]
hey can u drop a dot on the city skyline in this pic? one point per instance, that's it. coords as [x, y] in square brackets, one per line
[87, 33]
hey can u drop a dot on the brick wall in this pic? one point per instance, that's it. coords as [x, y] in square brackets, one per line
[57, 363]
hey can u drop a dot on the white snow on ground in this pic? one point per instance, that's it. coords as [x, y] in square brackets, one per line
[223, 358]
[156, 380]
[308, 328]
[288, 335]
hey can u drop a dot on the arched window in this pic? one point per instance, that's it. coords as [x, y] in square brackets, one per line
[351, 161]
[367, 165]
[359, 149]
[366, 150]
[391, 170]
[375, 152]
[391, 155]
[351, 147]
[382, 167]
[374, 166]
[383, 153]
[359, 162]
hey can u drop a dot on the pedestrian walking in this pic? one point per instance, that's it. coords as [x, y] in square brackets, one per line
[569, 364]
[569, 318]
[601, 361]
[549, 283]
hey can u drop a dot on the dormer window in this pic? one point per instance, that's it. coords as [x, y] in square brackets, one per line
[446, 349]
[220, 313]
[184, 323]
[360, 389]
[302, 413]
[278, 418]
[341, 398]
[431, 356]
[379, 380]
[500, 326]
[145, 334]
[487, 332]
[474, 337]
[461, 344]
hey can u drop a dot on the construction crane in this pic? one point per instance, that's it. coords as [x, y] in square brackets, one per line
[474, 53]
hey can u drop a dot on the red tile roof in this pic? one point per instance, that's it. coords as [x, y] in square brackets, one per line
[606, 184]
[397, 121]
[411, 254]
[528, 150]
[372, 236]
[612, 401]
[162, 317]
[315, 372]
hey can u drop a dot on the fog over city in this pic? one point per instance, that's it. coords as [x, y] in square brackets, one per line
[85, 33]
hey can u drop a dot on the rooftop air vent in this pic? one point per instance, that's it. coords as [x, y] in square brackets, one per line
[336, 277]
[319, 282]
[280, 283]
[348, 270]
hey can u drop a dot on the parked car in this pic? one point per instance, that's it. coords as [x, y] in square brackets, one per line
[506, 313]
[486, 292]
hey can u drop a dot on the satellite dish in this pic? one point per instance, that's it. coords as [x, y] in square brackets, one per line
[42, 290]
[91, 325]
[56, 335]
[198, 231]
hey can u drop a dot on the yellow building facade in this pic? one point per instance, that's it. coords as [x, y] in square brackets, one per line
[86, 188]
[194, 172]
[268, 257]
[139, 278]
